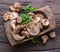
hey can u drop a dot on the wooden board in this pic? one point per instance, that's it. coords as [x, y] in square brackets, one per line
[46, 11]
[53, 45]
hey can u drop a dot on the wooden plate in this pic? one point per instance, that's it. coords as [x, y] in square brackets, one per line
[46, 12]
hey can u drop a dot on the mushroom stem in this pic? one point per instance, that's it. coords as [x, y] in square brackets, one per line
[13, 15]
[17, 37]
[25, 33]
[44, 38]
[13, 24]
[18, 28]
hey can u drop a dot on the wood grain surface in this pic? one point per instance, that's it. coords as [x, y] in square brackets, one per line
[53, 45]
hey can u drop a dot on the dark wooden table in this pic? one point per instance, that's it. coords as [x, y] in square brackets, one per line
[53, 45]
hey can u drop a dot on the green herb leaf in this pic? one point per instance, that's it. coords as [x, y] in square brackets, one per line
[25, 18]
[28, 8]
[35, 40]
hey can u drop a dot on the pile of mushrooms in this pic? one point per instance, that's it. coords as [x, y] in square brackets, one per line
[22, 31]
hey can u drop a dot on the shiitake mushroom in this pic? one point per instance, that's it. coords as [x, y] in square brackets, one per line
[45, 22]
[52, 35]
[26, 33]
[18, 37]
[16, 7]
[6, 16]
[44, 38]
[33, 28]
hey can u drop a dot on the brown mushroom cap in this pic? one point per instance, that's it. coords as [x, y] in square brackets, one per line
[38, 18]
[31, 14]
[6, 16]
[17, 5]
[45, 22]
[12, 8]
[19, 20]
[33, 28]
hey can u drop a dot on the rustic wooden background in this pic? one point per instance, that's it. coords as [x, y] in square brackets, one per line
[53, 45]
